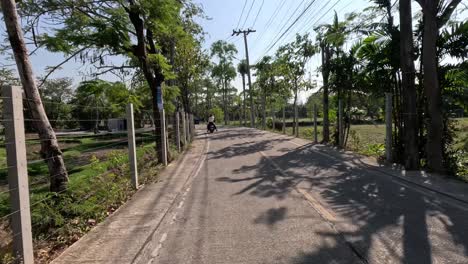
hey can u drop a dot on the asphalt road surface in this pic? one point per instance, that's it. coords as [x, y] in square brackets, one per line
[264, 198]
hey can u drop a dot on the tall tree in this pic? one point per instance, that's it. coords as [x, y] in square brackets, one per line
[330, 37]
[50, 149]
[224, 70]
[265, 81]
[436, 13]
[97, 30]
[292, 58]
[56, 94]
[410, 131]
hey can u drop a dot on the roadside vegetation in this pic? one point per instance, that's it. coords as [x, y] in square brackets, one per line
[154, 49]
[99, 184]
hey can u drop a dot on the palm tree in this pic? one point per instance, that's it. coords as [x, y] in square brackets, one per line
[435, 16]
[331, 38]
[410, 132]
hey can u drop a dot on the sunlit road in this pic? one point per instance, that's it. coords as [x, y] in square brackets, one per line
[265, 198]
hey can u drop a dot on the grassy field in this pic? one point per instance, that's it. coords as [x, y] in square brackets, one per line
[369, 140]
[99, 183]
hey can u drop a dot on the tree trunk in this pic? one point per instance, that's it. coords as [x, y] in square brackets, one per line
[284, 118]
[296, 121]
[153, 77]
[225, 103]
[264, 108]
[435, 129]
[410, 132]
[49, 146]
[252, 113]
[244, 117]
[325, 75]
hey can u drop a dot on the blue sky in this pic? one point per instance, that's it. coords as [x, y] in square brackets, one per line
[274, 17]
[269, 18]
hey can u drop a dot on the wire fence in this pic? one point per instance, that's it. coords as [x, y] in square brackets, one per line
[95, 151]
[363, 127]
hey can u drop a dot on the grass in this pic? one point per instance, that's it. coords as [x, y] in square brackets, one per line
[99, 183]
[369, 140]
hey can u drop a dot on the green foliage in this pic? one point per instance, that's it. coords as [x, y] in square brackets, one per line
[56, 94]
[100, 100]
[218, 113]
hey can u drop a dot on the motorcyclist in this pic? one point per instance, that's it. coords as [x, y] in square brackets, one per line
[211, 120]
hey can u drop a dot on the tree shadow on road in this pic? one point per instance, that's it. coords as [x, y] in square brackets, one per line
[249, 146]
[384, 222]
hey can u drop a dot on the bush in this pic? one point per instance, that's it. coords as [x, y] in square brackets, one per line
[218, 113]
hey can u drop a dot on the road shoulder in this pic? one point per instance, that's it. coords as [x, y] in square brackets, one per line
[122, 236]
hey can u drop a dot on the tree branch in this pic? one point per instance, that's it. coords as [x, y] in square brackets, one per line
[113, 68]
[60, 64]
[447, 13]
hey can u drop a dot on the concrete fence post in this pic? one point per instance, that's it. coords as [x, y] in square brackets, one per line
[184, 128]
[315, 124]
[18, 174]
[192, 125]
[388, 127]
[340, 123]
[162, 114]
[187, 121]
[284, 120]
[177, 130]
[132, 146]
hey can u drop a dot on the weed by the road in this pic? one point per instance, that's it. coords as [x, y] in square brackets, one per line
[99, 184]
[369, 140]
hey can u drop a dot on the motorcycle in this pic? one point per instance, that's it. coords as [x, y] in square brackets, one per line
[211, 127]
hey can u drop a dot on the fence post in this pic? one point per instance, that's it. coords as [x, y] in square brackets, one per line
[162, 114]
[273, 119]
[132, 146]
[315, 123]
[187, 120]
[284, 120]
[340, 123]
[388, 127]
[18, 174]
[192, 125]
[177, 130]
[184, 129]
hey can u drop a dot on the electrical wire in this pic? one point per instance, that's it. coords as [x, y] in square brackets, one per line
[242, 13]
[268, 23]
[290, 26]
[248, 13]
[281, 29]
[258, 13]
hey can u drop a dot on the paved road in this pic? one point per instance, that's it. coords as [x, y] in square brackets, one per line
[264, 198]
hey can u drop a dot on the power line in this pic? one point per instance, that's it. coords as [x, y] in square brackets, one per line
[318, 20]
[270, 21]
[305, 23]
[284, 25]
[248, 13]
[258, 13]
[314, 15]
[242, 13]
[293, 23]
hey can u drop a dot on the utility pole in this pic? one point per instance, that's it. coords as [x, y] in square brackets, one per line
[247, 32]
